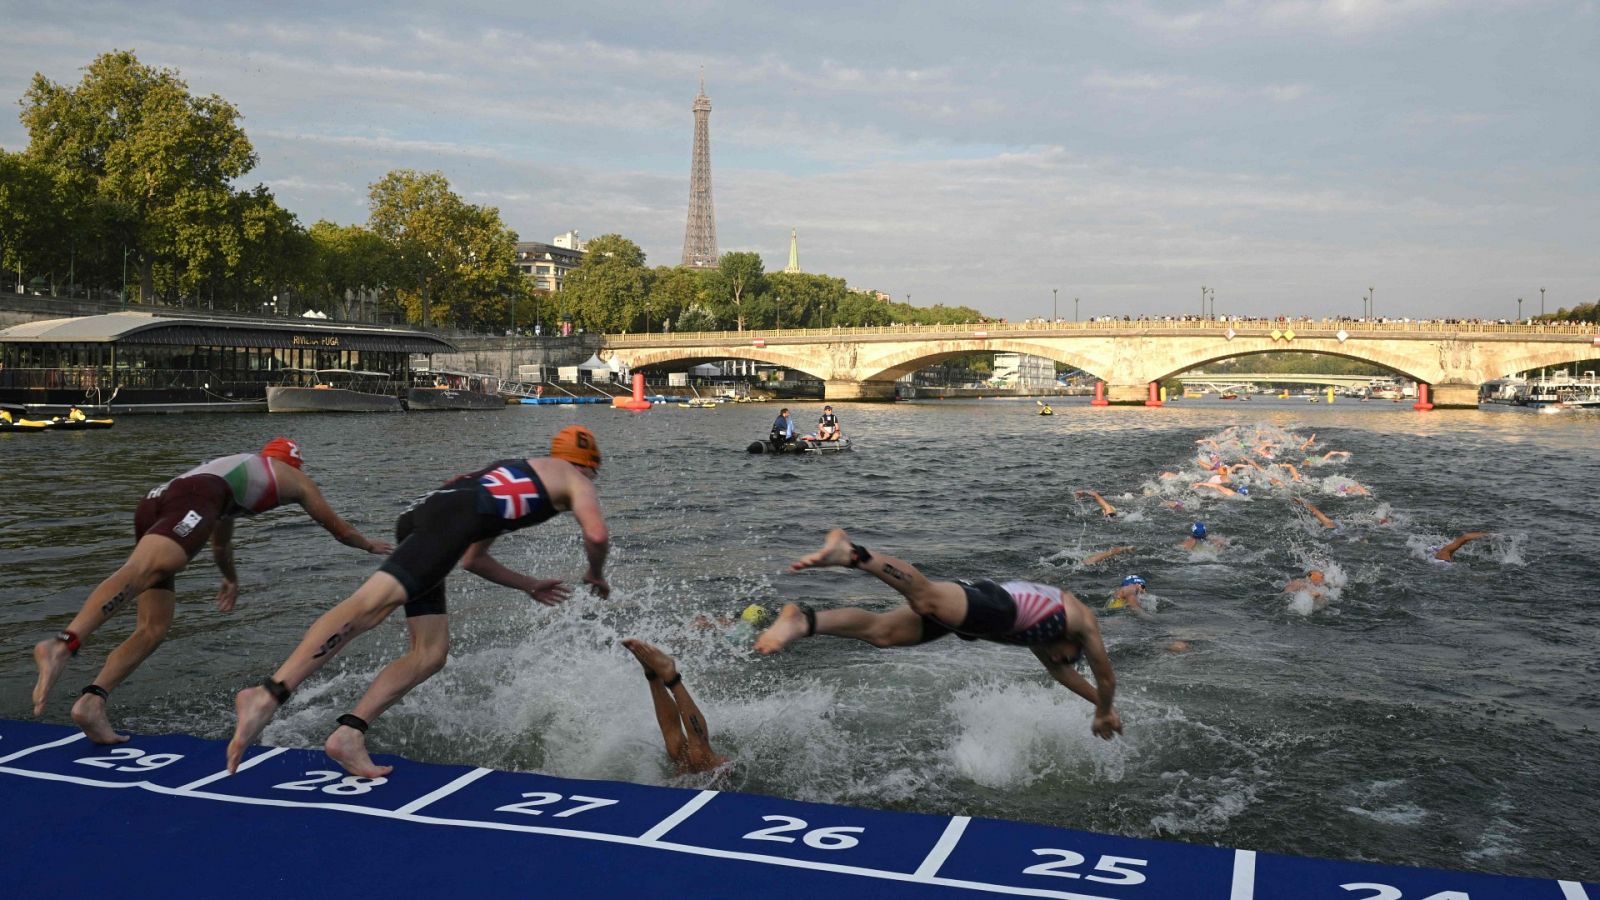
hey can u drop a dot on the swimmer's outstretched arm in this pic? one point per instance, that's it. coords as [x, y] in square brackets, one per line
[1317, 513]
[1448, 551]
[1104, 555]
[1221, 489]
[1105, 505]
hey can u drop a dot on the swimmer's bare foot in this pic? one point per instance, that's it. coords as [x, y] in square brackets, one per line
[1178, 647]
[652, 658]
[835, 552]
[50, 655]
[348, 748]
[254, 707]
[89, 713]
[791, 626]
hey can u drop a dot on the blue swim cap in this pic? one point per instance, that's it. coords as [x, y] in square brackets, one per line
[1133, 579]
[1198, 530]
[1244, 489]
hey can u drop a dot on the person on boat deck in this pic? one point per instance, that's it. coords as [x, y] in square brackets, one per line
[5, 416]
[683, 728]
[74, 414]
[170, 526]
[828, 426]
[1056, 626]
[459, 522]
[782, 428]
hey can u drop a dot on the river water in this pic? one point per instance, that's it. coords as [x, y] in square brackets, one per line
[1431, 714]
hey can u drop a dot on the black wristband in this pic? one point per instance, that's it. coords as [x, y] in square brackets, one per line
[353, 721]
[96, 690]
[279, 691]
[673, 682]
[858, 555]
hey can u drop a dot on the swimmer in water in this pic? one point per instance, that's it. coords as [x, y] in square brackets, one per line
[1056, 626]
[1106, 509]
[1447, 553]
[1314, 585]
[1198, 535]
[1336, 456]
[683, 728]
[1126, 598]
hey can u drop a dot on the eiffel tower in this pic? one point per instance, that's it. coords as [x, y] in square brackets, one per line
[700, 234]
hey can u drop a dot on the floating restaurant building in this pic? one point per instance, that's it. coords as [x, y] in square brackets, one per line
[139, 362]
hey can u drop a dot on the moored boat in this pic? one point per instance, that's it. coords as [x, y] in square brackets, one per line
[334, 390]
[444, 390]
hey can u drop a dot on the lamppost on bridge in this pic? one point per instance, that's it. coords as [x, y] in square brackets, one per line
[1541, 303]
[1075, 310]
[1519, 310]
[1213, 313]
[1202, 301]
[1372, 307]
[1054, 316]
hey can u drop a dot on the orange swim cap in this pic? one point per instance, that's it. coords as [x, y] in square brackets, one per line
[284, 450]
[577, 445]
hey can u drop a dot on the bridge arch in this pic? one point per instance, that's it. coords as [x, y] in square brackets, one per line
[638, 359]
[1206, 356]
[898, 364]
[1541, 359]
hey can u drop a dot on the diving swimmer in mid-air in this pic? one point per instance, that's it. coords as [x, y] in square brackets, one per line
[1052, 623]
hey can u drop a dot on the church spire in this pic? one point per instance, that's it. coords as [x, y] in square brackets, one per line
[794, 251]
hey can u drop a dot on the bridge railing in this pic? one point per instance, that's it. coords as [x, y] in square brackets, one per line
[1247, 327]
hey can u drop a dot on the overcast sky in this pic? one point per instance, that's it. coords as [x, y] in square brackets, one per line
[1289, 154]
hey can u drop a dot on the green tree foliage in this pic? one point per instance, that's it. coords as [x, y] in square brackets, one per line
[30, 216]
[740, 275]
[1583, 312]
[150, 164]
[349, 263]
[451, 261]
[609, 290]
[673, 290]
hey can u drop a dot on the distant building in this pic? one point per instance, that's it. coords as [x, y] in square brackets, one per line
[1020, 370]
[548, 264]
[794, 251]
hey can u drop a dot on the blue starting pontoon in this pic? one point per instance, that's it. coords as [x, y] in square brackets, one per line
[160, 817]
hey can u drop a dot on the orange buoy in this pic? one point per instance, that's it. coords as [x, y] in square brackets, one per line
[637, 401]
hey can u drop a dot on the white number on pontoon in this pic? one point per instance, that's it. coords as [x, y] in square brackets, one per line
[545, 798]
[342, 785]
[1390, 892]
[836, 837]
[1070, 860]
[129, 755]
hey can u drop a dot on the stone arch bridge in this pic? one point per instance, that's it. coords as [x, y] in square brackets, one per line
[863, 363]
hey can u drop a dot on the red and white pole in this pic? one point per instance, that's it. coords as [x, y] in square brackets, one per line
[1155, 394]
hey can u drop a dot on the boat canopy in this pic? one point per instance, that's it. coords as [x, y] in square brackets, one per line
[146, 328]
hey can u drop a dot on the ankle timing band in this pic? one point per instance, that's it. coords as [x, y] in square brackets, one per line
[96, 690]
[279, 691]
[71, 640]
[811, 618]
[674, 682]
[858, 555]
[355, 722]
